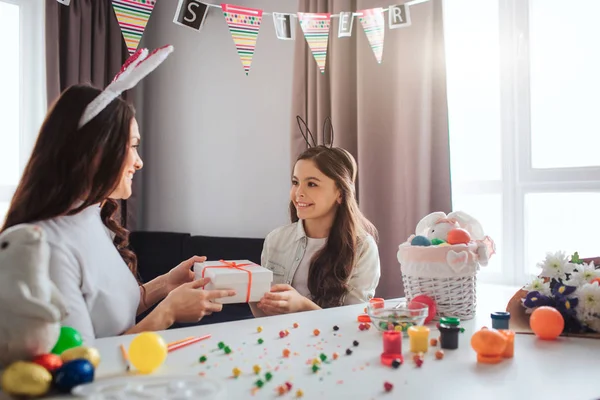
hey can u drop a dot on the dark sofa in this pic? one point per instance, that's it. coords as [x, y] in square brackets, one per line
[158, 252]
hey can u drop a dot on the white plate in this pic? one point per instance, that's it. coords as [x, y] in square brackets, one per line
[174, 387]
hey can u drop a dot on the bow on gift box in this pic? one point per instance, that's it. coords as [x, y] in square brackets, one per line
[233, 265]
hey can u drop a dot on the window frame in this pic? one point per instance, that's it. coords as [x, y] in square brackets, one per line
[518, 177]
[32, 82]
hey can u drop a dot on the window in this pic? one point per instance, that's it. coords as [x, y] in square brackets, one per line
[23, 94]
[524, 135]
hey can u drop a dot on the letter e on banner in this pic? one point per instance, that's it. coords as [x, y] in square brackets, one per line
[191, 13]
[399, 16]
[345, 24]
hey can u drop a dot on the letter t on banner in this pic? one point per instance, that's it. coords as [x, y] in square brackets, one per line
[283, 26]
[399, 16]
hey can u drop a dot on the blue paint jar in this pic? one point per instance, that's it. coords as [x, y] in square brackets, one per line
[500, 320]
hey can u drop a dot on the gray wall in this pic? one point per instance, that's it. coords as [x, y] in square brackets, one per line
[215, 141]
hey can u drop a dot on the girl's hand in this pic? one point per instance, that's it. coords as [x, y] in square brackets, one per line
[283, 299]
[182, 273]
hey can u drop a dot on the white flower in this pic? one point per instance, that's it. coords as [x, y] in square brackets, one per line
[585, 274]
[539, 285]
[588, 309]
[556, 265]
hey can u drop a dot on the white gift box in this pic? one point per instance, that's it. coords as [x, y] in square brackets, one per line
[249, 280]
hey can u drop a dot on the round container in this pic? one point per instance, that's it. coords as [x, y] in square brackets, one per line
[397, 315]
[500, 320]
[449, 336]
[392, 347]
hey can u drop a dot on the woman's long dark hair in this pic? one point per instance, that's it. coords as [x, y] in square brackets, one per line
[71, 169]
[331, 267]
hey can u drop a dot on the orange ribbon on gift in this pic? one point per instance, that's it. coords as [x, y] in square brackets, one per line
[233, 265]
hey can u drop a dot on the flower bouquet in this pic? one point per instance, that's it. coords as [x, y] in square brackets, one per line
[569, 284]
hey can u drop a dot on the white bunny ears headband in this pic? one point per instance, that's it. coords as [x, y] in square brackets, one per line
[134, 70]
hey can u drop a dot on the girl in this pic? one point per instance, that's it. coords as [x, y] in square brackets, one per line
[70, 188]
[328, 256]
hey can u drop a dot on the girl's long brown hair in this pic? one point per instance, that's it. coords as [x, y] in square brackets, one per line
[71, 169]
[331, 267]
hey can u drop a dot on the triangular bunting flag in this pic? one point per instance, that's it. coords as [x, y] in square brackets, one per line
[244, 24]
[133, 16]
[373, 24]
[316, 31]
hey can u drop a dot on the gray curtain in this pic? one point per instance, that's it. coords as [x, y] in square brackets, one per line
[84, 44]
[391, 116]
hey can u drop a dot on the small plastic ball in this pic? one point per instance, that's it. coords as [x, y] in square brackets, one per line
[546, 322]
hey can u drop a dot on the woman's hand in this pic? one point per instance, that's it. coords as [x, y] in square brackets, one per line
[284, 299]
[190, 303]
[182, 273]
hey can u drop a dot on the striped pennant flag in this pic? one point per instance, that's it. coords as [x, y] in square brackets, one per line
[373, 23]
[133, 16]
[244, 24]
[316, 30]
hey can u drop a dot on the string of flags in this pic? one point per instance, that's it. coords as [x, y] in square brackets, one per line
[244, 25]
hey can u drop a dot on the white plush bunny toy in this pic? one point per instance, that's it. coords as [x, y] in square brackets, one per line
[437, 225]
[31, 307]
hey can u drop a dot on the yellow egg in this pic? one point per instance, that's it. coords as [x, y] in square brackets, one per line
[26, 379]
[147, 352]
[83, 352]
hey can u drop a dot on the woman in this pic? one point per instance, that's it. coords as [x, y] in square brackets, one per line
[70, 188]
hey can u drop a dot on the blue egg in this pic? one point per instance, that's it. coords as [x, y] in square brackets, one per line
[73, 373]
[420, 241]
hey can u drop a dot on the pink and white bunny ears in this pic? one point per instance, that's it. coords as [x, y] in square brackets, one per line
[134, 70]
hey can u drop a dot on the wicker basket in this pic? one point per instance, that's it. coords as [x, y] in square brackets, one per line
[447, 274]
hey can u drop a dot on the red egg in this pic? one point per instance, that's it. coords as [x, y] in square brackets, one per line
[458, 236]
[51, 362]
[546, 322]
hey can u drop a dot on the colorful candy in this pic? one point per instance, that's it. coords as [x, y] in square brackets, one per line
[315, 368]
[227, 350]
[259, 329]
[348, 352]
[433, 342]
[316, 332]
[256, 369]
[388, 386]
[439, 354]
[355, 343]
[296, 325]
[299, 393]
[268, 376]
[260, 341]
[396, 363]
[335, 356]
[202, 359]
[236, 372]
[337, 328]
[286, 353]
[282, 334]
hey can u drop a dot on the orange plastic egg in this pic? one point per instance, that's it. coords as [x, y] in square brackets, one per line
[458, 236]
[489, 345]
[546, 322]
[596, 280]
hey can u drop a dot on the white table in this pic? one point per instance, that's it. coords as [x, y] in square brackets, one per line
[564, 369]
